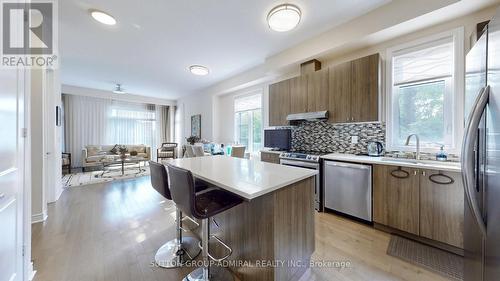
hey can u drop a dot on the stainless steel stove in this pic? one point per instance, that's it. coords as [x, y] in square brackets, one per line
[308, 156]
[307, 160]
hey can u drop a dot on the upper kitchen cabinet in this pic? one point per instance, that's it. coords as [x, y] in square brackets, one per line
[365, 88]
[339, 106]
[354, 89]
[317, 90]
[279, 103]
[298, 97]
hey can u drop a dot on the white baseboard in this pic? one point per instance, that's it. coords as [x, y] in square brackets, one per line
[38, 218]
[31, 272]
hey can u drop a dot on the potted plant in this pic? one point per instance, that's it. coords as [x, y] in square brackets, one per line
[122, 150]
[192, 140]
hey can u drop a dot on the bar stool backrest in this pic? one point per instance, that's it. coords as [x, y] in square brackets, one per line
[159, 179]
[183, 191]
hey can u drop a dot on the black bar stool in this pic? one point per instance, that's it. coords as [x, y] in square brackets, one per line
[178, 251]
[203, 205]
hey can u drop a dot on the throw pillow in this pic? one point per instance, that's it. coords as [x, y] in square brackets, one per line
[93, 150]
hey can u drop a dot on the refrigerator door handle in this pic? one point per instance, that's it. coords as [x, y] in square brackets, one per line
[470, 137]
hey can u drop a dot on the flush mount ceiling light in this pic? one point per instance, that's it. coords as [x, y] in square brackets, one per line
[199, 70]
[284, 17]
[103, 17]
[118, 89]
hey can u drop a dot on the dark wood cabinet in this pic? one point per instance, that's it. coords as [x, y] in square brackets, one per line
[317, 90]
[365, 89]
[339, 106]
[298, 94]
[428, 203]
[279, 103]
[396, 197]
[349, 91]
[270, 157]
[442, 207]
[354, 90]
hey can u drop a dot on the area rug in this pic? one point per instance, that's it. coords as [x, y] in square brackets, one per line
[434, 259]
[86, 178]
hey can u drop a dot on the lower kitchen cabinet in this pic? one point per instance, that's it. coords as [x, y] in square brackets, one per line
[427, 203]
[442, 207]
[270, 157]
[396, 197]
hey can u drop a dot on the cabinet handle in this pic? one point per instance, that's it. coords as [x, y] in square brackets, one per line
[415, 172]
[423, 173]
[400, 173]
[433, 178]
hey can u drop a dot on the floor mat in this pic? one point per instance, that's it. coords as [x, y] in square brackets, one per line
[434, 259]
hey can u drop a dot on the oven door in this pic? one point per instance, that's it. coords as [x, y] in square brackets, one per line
[312, 166]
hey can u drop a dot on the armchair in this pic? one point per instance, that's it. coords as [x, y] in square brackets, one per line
[166, 150]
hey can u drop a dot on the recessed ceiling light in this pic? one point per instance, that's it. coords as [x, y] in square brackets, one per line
[199, 70]
[284, 17]
[118, 89]
[102, 17]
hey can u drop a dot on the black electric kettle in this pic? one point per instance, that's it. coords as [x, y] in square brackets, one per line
[375, 148]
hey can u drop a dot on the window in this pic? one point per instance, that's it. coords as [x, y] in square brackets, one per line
[425, 94]
[130, 123]
[248, 121]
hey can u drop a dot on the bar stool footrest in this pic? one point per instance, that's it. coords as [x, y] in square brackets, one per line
[230, 251]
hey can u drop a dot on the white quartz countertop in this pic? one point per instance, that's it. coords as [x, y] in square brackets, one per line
[244, 177]
[422, 164]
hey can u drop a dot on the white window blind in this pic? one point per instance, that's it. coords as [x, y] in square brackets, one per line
[430, 61]
[248, 103]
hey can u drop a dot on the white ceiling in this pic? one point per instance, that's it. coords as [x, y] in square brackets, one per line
[155, 41]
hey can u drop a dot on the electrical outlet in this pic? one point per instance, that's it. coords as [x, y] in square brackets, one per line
[354, 139]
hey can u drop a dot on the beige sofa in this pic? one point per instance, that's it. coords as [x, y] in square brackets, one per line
[95, 155]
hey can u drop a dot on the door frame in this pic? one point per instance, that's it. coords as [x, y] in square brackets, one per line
[25, 159]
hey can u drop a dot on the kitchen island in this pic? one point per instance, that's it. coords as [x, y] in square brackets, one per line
[272, 232]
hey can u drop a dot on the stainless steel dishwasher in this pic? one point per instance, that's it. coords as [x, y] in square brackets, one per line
[348, 188]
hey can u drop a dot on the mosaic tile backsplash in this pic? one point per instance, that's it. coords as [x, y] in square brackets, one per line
[322, 136]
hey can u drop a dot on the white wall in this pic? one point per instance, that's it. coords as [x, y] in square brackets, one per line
[193, 105]
[221, 94]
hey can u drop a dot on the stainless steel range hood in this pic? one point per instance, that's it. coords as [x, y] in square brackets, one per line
[308, 116]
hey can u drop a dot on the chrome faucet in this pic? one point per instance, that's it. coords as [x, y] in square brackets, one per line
[417, 156]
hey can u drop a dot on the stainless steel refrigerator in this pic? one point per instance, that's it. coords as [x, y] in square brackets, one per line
[481, 157]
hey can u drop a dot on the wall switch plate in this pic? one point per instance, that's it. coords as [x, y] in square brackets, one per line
[354, 139]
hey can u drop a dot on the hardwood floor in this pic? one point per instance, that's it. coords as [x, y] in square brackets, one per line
[111, 232]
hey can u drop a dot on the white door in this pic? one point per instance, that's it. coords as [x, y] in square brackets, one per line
[11, 175]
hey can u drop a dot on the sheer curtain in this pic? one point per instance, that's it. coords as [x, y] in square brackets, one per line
[98, 121]
[132, 123]
[85, 124]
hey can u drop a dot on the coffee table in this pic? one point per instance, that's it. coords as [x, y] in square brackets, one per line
[129, 161]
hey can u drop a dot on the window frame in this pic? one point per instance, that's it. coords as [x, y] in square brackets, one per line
[457, 92]
[261, 109]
